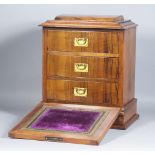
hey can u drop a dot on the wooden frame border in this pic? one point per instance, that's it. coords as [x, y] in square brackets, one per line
[93, 139]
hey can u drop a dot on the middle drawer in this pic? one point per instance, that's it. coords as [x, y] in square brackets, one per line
[60, 64]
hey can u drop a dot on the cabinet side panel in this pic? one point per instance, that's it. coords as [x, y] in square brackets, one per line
[129, 65]
[44, 61]
[120, 82]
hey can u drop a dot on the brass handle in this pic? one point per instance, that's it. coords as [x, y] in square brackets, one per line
[81, 42]
[80, 91]
[53, 139]
[80, 67]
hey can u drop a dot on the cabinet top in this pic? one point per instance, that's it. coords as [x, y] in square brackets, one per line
[89, 21]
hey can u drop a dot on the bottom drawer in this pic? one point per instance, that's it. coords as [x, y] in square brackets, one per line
[83, 92]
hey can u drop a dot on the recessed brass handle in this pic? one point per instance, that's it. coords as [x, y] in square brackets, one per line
[81, 42]
[80, 67]
[53, 139]
[80, 91]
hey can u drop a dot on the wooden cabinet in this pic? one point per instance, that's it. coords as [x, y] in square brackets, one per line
[88, 64]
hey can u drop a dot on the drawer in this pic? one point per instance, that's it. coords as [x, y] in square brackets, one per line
[83, 41]
[72, 65]
[83, 92]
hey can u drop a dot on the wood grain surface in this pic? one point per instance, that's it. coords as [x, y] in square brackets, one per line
[63, 40]
[98, 93]
[62, 65]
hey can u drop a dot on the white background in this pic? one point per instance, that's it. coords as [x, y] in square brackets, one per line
[20, 73]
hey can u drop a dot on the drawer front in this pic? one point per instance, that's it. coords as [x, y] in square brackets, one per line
[83, 92]
[60, 65]
[83, 41]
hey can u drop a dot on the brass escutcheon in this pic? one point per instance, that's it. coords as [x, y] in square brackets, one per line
[80, 91]
[80, 67]
[81, 42]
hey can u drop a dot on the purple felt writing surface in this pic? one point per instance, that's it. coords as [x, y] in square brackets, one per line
[65, 120]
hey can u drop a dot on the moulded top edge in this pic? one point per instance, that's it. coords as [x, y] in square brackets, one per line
[102, 22]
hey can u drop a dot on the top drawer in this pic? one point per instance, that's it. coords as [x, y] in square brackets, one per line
[83, 41]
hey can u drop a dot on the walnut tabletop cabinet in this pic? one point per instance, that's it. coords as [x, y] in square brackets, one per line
[88, 80]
